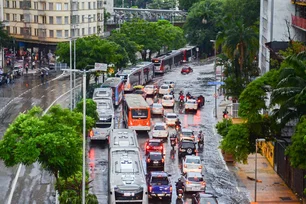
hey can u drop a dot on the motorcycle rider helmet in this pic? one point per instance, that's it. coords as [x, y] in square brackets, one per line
[179, 180]
[200, 131]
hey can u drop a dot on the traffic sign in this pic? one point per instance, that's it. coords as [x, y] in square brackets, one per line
[101, 67]
[215, 83]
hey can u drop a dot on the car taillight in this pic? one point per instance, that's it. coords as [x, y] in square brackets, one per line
[170, 188]
[160, 147]
[91, 133]
[148, 160]
[185, 165]
[200, 167]
[187, 182]
[150, 188]
[199, 101]
[163, 160]
[203, 183]
[148, 147]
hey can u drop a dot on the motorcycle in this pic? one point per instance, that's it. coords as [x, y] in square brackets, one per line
[201, 143]
[180, 193]
[178, 128]
[181, 102]
[173, 140]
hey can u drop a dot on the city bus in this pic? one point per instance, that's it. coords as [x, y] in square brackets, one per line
[189, 53]
[148, 71]
[117, 86]
[165, 62]
[136, 112]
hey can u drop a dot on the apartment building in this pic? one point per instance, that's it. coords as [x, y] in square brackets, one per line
[44, 23]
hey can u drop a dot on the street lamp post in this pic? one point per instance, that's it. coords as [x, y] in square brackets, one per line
[71, 95]
[148, 53]
[215, 69]
[256, 149]
[197, 49]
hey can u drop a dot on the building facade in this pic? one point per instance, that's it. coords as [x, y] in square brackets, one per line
[42, 24]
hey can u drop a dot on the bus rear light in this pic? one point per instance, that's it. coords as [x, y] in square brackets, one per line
[148, 147]
[148, 160]
[200, 167]
[203, 183]
[163, 160]
[91, 133]
[160, 147]
[150, 188]
[170, 188]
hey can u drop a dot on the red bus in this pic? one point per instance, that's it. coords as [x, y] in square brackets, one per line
[189, 53]
[136, 112]
[165, 62]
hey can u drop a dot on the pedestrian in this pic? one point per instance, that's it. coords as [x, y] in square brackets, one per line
[33, 64]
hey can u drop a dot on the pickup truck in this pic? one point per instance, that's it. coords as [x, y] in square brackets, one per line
[159, 185]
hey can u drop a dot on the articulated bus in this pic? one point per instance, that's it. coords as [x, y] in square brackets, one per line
[189, 53]
[117, 86]
[139, 75]
[165, 62]
[127, 183]
[136, 112]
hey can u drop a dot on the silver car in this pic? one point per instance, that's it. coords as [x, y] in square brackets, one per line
[157, 109]
[193, 181]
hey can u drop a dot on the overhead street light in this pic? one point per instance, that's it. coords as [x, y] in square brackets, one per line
[84, 72]
[256, 149]
[215, 69]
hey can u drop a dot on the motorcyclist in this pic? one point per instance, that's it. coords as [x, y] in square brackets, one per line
[181, 97]
[179, 185]
[200, 136]
[202, 99]
[188, 95]
[178, 123]
[181, 93]
[172, 92]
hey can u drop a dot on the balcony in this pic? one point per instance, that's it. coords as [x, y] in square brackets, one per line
[298, 22]
[299, 2]
[42, 34]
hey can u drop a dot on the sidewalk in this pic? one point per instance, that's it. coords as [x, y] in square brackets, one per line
[270, 187]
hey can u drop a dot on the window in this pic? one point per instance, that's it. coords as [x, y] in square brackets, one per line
[35, 32]
[94, 5]
[51, 33]
[94, 17]
[78, 34]
[14, 4]
[94, 30]
[15, 30]
[139, 113]
[51, 6]
[89, 5]
[35, 19]
[66, 20]
[7, 4]
[105, 2]
[83, 5]
[74, 6]
[43, 6]
[58, 20]
[59, 33]
[7, 17]
[36, 5]
[83, 18]
[14, 17]
[89, 30]
[44, 19]
[83, 31]
[50, 19]
[21, 17]
[58, 6]
[72, 32]
[66, 33]
[66, 6]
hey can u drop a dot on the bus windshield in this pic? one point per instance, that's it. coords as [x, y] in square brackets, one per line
[103, 125]
[139, 113]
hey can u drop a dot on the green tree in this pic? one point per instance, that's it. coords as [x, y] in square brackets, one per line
[236, 142]
[223, 126]
[186, 5]
[162, 4]
[5, 39]
[53, 140]
[130, 47]
[91, 109]
[93, 49]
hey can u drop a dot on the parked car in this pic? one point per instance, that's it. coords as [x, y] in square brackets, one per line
[157, 109]
[204, 198]
[168, 101]
[193, 181]
[170, 118]
[186, 70]
[164, 89]
[159, 185]
[150, 89]
[192, 164]
[160, 130]
[186, 147]
[154, 145]
[155, 160]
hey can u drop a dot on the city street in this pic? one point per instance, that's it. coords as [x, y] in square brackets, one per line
[220, 181]
[34, 185]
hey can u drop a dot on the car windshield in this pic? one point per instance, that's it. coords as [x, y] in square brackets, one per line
[156, 156]
[139, 113]
[168, 98]
[164, 87]
[159, 127]
[195, 161]
[160, 180]
[103, 125]
[157, 105]
[171, 116]
[195, 179]
[149, 87]
[185, 68]
[188, 144]
[187, 134]
[154, 144]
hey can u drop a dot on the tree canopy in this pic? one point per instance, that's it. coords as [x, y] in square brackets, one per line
[5, 39]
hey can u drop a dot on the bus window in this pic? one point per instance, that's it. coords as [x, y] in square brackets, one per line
[139, 113]
[103, 125]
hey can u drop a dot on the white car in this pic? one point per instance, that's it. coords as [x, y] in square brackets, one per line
[193, 181]
[150, 89]
[170, 118]
[168, 101]
[191, 104]
[192, 164]
[160, 130]
[187, 133]
[170, 83]
[157, 109]
[164, 89]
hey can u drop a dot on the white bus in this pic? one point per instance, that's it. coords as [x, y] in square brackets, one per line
[127, 182]
[104, 125]
[141, 74]
[102, 93]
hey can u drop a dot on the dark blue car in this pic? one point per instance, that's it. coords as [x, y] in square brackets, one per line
[159, 185]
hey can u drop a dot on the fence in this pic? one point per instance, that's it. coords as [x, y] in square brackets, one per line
[59, 66]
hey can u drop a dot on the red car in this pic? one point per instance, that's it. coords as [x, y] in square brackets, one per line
[154, 145]
[186, 70]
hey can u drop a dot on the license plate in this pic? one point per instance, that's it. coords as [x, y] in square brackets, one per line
[196, 188]
[155, 162]
[128, 194]
[160, 194]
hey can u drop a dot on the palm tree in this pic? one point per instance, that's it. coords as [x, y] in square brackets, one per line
[290, 93]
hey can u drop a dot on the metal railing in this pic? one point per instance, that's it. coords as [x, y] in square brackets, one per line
[298, 22]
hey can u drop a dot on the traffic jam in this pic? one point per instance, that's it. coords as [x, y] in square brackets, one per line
[139, 99]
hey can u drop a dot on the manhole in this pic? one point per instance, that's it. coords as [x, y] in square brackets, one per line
[285, 198]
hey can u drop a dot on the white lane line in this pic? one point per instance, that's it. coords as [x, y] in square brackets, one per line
[14, 184]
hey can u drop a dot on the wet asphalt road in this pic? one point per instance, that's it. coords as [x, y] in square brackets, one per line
[219, 180]
[34, 185]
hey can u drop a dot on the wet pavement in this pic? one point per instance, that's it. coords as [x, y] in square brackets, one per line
[220, 181]
[34, 185]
